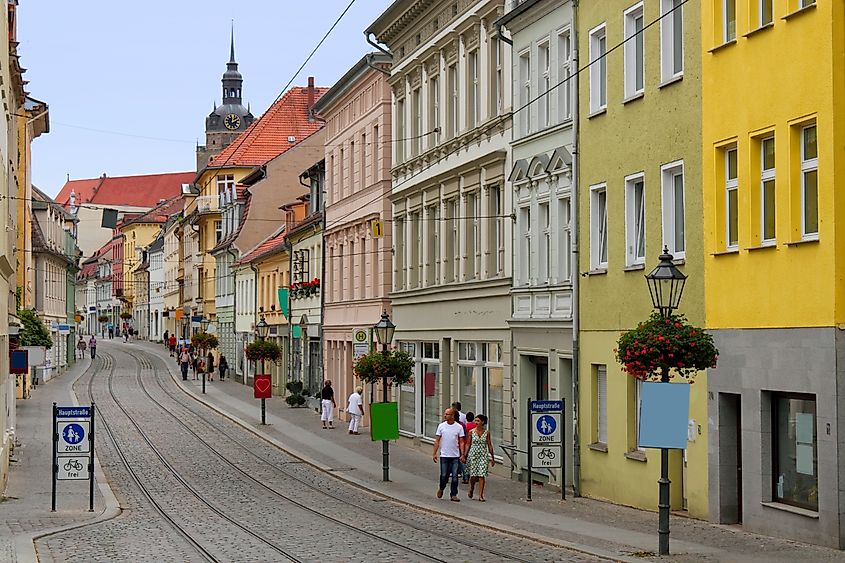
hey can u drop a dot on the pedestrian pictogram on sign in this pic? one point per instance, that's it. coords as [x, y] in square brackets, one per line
[378, 228]
[73, 437]
[545, 428]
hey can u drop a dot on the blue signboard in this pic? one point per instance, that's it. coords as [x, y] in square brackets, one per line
[664, 415]
[546, 425]
[73, 412]
[73, 434]
[546, 406]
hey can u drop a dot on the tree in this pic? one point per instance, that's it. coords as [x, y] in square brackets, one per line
[34, 333]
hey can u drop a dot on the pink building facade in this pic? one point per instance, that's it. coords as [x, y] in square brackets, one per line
[358, 265]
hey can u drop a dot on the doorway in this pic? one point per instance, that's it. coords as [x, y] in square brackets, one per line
[730, 458]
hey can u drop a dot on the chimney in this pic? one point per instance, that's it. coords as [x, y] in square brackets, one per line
[310, 93]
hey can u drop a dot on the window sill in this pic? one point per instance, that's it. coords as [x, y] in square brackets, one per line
[636, 455]
[634, 268]
[759, 29]
[764, 246]
[793, 509]
[722, 46]
[799, 11]
[633, 97]
[725, 252]
[679, 261]
[671, 80]
[598, 447]
[597, 272]
[597, 113]
[802, 241]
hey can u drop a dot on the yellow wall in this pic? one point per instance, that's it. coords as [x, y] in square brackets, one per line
[136, 235]
[638, 136]
[771, 82]
[273, 273]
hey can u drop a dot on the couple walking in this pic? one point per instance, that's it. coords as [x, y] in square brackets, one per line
[355, 407]
[455, 447]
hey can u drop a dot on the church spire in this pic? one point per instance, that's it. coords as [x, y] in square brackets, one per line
[232, 79]
[232, 46]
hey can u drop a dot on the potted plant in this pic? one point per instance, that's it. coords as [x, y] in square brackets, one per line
[397, 365]
[103, 318]
[296, 398]
[204, 341]
[263, 350]
[125, 316]
[659, 345]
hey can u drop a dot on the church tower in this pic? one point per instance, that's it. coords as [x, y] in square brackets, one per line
[229, 119]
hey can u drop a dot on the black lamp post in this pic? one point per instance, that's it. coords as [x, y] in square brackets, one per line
[384, 332]
[262, 329]
[204, 324]
[666, 285]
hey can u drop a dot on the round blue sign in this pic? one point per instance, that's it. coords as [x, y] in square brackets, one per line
[546, 425]
[73, 434]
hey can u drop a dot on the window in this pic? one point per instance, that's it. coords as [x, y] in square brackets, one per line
[544, 82]
[525, 92]
[432, 383]
[218, 232]
[674, 236]
[481, 383]
[400, 140]
[600, 405]
[671, 39]
[766, 12]
[564, 54]
[473, 99]
[415, 242]
[352, 186]
[809, 183]
[728, 20]
[795, 448]
[400, 147]
[452, 86]
[376, 147]
[399, 255]
[767, 190]
[564, 267]
[407, 395]
[634, 51]
[432, 245]
[598, 227]
[545, 253]
[497, 234]
[416, 123]
[805, 3]
[471, 265]
[434, 110]
[598, 69]
[634, 220]
[525, 244]
[497, 76]
[731, 201]
[225, 183]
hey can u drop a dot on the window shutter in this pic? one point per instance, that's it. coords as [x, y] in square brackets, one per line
[601, 384]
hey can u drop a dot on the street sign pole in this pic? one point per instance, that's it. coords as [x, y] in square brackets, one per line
[91, 462]
[55, 460]
[530, 453]
[562, 460]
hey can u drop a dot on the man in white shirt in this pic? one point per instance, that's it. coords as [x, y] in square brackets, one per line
[449, 443]
[355, 408]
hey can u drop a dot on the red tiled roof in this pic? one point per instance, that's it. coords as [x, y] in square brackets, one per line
[267, 246]
[161, 212]
[268, 135]
[136, 191]
[89, 270]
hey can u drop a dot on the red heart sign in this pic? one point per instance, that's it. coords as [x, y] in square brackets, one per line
[261, 387]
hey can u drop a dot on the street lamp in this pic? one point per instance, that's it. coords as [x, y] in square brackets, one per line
[204, 324]
[666, 285]
[262, 329]
[384, 332]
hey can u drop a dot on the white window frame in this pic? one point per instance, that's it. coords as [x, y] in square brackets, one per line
[760, 6]
[544, 240]
[525, 92]
[601, 406]
[524, 219]
[498, 77]
[598, 68]
[808, 165]
[635, 223]
[731, 184]
[433, 110]
[766, 175]
[668, 173]
[564, 57]
[474, 97]
[544, 82]
[728, 32]
[634, 51]
[671, 40]
[564, 227]
[598, 228]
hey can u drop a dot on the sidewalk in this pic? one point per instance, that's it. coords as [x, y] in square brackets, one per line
[25, 505]
[587, 525]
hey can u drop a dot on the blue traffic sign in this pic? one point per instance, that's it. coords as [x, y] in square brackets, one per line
[546, 425]
[73, 412]
[73, 434]
[546, 406]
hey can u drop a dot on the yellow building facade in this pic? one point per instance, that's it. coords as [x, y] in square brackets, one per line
[639, 189]
[136, 235]
[773, 125]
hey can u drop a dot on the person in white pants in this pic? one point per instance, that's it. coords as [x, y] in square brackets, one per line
[355, 408]
[328, 404]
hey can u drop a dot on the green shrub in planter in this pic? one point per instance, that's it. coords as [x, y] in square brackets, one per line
[297, 394]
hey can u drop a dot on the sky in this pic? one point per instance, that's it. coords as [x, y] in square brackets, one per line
[129, 86]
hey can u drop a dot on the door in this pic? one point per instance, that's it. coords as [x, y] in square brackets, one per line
[730, 458]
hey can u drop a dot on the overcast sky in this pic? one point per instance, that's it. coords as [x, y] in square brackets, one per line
[129, 83]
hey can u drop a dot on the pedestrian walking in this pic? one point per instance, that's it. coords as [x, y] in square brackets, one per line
[355, 408]
[209, 366]
[194, 365]
[184, 363]
[111, 331]
[92, 345]
[470, 422]
[461, 419]
[328, 404]
[172, 343]
[222, 367]
[477, 458]
[449, 444]
[165, 338]
[81, 346]
[125, 335]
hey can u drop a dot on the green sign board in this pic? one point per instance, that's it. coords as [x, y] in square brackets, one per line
[385, 421]
[283, 301]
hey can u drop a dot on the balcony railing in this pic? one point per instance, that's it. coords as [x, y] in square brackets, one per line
[208, 204]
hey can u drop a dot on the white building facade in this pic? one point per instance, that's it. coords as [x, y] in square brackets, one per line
[155, 255]
[451, 210]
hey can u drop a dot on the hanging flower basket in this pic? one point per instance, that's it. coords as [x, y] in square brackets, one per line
[103, 318]
[398, 365]
[300, 290]
[204, 341]
[660, 345]
[126, 316]
[265, 350]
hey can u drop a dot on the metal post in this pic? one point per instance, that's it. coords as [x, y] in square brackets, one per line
[528, 437]
[263, 405]
[55, 460]
[385, 446]
[562, 449]
[663, 502]
[203, 380]
[91, 462]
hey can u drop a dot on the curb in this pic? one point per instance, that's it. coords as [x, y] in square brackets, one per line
[553, 542]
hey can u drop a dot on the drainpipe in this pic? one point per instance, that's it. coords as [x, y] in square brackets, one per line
[499, 28]
[376, 45]
[576, 310]
[255, 308]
